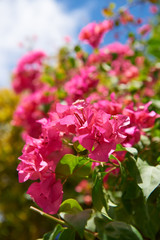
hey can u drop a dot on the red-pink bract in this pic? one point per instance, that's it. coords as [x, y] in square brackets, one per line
[93, 32]
[26, 74]
[47, 194]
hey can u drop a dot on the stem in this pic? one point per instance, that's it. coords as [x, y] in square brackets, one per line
[95, 234]
[114, 164]
[111, 170]
[47, 215]
[91, 160]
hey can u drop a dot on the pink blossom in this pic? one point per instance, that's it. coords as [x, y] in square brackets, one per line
[47, 194]
[114, 55]
[98, 127]
[110, 107]
[93, 32]
[126, 17]
[139, 119]
[123, 69]
[67, 39]
[140, 61]
[26, 74]
[118, 48]
[153, 9]
[31, 108]
[83, 186]
[145, 118]
[82, 83]
[31, 166]
[106, 53]
[133, 136]
[95, 130]
[98, 132]
[139, 20]
[144, 30]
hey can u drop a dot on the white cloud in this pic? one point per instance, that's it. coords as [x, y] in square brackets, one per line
[48, 20]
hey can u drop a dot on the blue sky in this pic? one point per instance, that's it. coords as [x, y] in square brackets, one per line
[44, 24]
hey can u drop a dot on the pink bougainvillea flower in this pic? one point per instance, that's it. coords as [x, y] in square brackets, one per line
[139, 120]
[109, 53]
[32, 108]
[83, 186]
[118, 48]
[140, 61]
[133, 136]
[139, 20]
[144, 30]
[115, 55]
[67, 39]
[98, 126]
[126, 17]
[31, 166]
[110, 107]
[123, 69]
[82, 83]
[26, 74]
[47, 194]
[153, 9]
[99, 133]
[93, 32]
[145, 118]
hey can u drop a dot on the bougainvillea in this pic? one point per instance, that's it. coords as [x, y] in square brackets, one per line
[26, 74]
[93, 32]
[89, 122]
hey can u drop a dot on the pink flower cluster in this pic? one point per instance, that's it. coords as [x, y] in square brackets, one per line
[140, 117]
[93, 32]
[32, 107]
[38, 161]
[26, 74]
[98, 127]
[82, 83]
[107, 53]
[97, 131]
[144, 30]
[115, 55]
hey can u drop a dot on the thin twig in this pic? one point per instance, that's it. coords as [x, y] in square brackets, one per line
[47, 215]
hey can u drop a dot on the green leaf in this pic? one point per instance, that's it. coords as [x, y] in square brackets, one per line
[67, 234]
[70, 206]
[98, 194]
[78, 147]
[116, 231]
[83, 168]
[145, 140]
[119, 147]
[52, 235]
[150, 176]
[67, 165]
[158, 159]
[77, 220]
[132, 150]
[156, 103]
[47, 79]
[77, 48]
